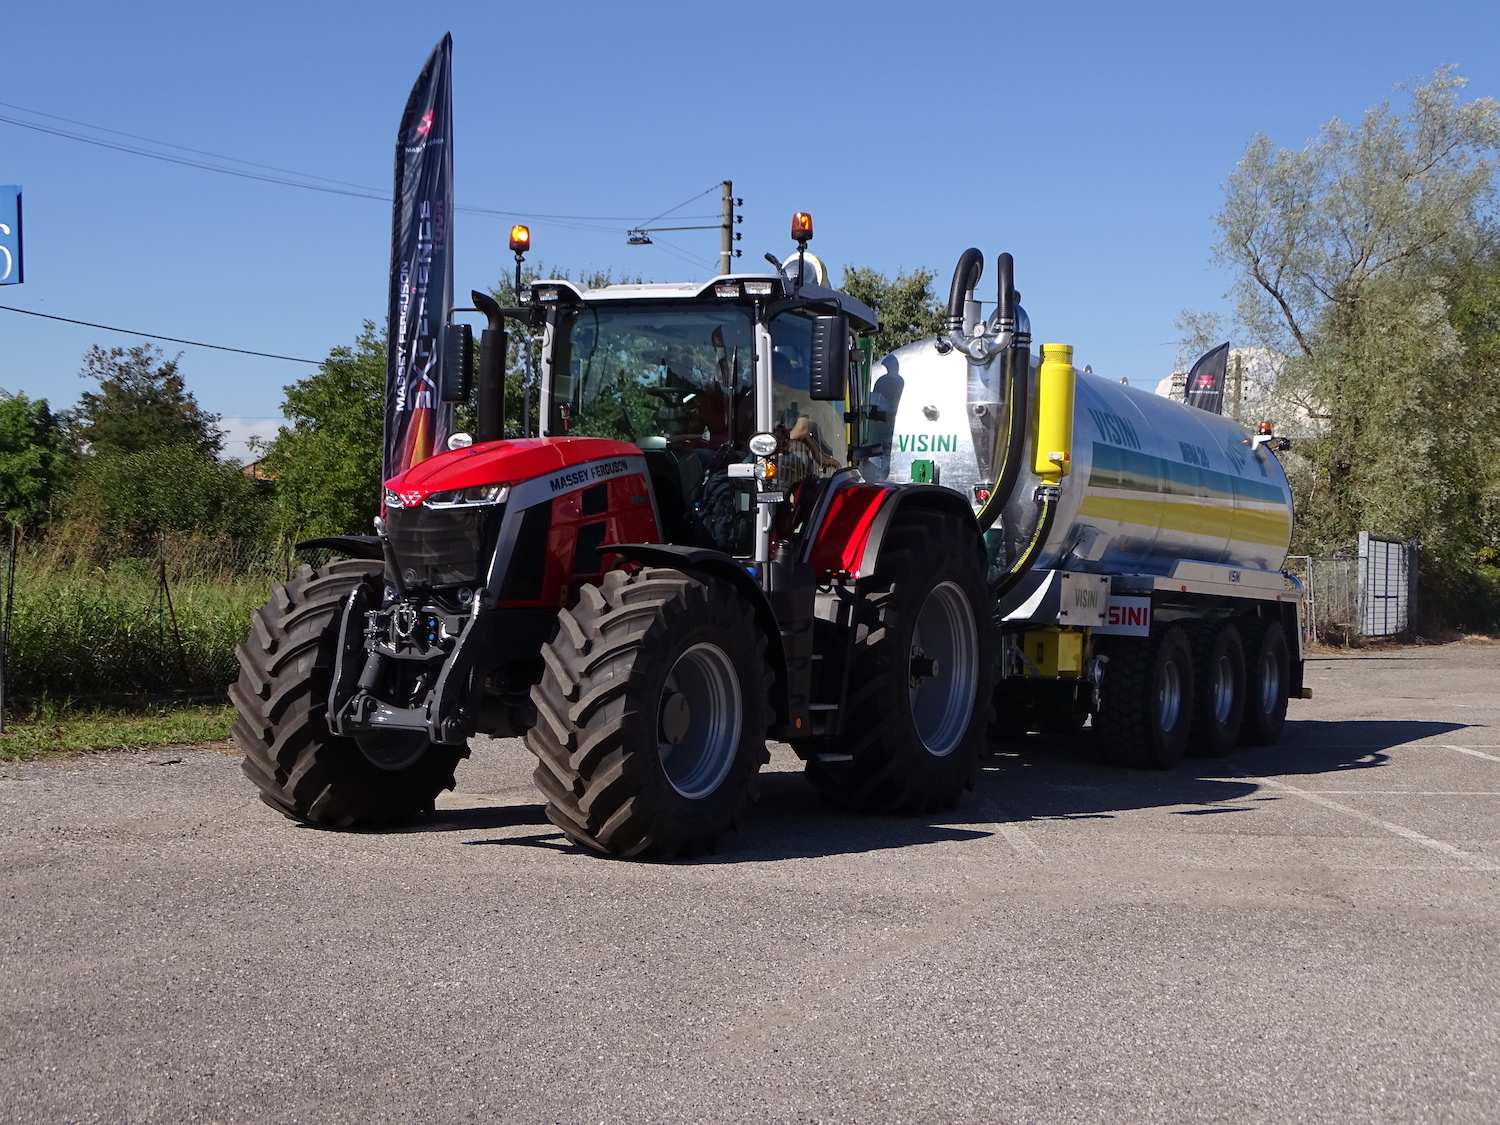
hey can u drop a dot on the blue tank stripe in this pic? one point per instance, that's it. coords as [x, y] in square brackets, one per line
[1128, 469]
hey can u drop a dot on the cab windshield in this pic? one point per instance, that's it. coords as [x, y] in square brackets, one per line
[654, 374]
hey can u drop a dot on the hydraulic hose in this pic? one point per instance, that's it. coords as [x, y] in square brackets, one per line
[1047, 496]
[966, 276]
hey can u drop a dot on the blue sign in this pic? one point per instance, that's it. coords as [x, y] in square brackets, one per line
[11, 272]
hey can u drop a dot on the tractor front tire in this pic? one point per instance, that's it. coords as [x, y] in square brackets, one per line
[920, 680]
[302, 768]
[651, 714]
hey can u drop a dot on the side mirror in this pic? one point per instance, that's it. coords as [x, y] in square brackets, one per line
[828, 365]
[458, 362]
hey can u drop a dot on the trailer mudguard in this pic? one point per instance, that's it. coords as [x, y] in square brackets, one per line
[716, 564]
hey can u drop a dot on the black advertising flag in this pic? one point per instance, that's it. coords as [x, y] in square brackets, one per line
[1205, 385]
[416, 423]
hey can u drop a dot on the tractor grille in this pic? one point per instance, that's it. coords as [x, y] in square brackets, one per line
[444, 546]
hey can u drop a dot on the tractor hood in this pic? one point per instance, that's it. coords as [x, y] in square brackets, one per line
[500, 462]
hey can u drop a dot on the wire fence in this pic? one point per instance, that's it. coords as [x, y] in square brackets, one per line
[1369, 594]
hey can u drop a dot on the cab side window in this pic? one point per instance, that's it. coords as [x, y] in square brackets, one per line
[814, 442]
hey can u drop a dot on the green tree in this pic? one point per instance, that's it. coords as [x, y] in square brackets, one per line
[326, 463]
[909, 309]
[33, 457]
[123, 500]
[141, 403]
[1348, 257]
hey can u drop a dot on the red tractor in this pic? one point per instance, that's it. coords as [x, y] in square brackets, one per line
[686, 562]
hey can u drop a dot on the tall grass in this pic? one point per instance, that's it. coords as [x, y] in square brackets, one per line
[89, 627]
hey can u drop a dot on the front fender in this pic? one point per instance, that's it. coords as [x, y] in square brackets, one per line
[701, 561]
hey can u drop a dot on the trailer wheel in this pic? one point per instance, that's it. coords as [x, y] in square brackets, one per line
[1268, 667]
[1219, 703]
[651, 714]
[919, 695]
[303, 769]
[1146, 700]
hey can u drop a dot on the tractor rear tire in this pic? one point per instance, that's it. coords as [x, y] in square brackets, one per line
[1146, 700]
[1219, 702]
[1268, 668]
[651, 714]
[304, 770]
[920, 679]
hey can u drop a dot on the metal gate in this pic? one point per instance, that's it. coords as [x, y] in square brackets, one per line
[1373, 595]
[1387, 585]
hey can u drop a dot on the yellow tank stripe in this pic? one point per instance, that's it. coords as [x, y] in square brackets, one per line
[1268, 527]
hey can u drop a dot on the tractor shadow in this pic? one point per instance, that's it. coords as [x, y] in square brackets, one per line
[1038, 778]
[1057, 778]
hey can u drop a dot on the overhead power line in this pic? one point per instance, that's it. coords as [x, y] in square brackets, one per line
[154, 336]
[269, 173]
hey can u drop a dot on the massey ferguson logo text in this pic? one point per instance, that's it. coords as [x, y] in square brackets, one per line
[418, 351]
[587, 473]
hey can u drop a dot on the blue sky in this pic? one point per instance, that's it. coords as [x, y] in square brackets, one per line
[1090, 140]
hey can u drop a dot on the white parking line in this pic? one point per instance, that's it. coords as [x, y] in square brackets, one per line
[1471, 750]
[1407, 792]
[1022, 844]
[1475, 861]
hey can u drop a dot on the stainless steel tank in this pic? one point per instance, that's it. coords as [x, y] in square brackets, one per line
[1152, 480]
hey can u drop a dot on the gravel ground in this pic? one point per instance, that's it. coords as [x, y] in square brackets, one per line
[1309, 933]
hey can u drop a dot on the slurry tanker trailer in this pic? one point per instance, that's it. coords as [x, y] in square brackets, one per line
[736, 524]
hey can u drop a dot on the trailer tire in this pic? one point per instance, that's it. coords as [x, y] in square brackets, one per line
[1219, 701]
[1146, 699]
[1268, 665]
[651, 714]
[304, 770]
[912, 738]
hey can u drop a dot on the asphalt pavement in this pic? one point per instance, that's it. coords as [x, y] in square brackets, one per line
[1307, 933]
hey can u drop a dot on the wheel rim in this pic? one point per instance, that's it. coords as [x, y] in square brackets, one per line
[1223, 690]
[944, 669]
[698, 721]
[1270, 683]
[1169, 696]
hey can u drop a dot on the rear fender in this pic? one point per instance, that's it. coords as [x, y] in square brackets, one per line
[850, 532]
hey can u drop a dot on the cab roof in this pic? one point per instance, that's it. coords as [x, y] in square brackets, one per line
[859, 312]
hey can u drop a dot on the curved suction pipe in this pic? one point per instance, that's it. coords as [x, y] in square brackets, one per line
[1016, 376]
[966, 277]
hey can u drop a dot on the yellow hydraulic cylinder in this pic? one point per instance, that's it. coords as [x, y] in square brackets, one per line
[1055, 382]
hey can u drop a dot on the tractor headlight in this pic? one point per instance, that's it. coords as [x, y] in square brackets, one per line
[465, 497]
[392, 498]
[763, 445]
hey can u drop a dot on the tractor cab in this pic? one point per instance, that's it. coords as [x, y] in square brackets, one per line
[691, 374]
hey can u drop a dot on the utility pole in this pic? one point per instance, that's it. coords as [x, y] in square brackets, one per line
[727, 235]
